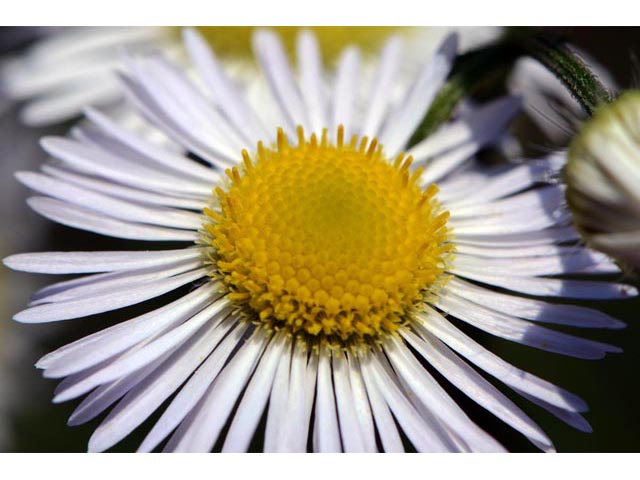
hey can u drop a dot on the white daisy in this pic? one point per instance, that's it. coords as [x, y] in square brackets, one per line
[321, 275]
[75, 67]
[603, 174]
[71, 68]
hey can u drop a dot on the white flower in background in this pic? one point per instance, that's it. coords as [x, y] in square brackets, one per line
[603, 178]
[319, 273]
[547, 101]
[72, 68]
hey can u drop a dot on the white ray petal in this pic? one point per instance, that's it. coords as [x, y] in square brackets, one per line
[102, 283]
[345, 88]
[326, 432]
[277, 413]
[106, 395]
[177, 129]
[424, 433]
[510, 181]
[128, 193]
[310, 387]
[522, 331]
[361, 404]
[475, 386]
[350, 432]
[105, 303]
[88, 262]
[212, 314]
[490, 252]
[153, 152]
[102, 163]
[531, 309]
[222, 89]
[222, 396]
[383, 81]
[403, 121]
[254, 401]
[273, 60]
[84, 219]
[194, 390]
[294, 428]
[424, 389]
[66, 103]
[311, 78]
[92, 349]
[571, 263]
[480, 125]
[72, 386]
[555, 287]
[148, 395]
[82, 41]
[548, 198]
[384, 422]
[179, 99]
[572, 419]
[107, 205]
[510, 224]
[523, 239]
[495, 366]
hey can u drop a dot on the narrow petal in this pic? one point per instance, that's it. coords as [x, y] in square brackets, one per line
[194, 390]
[104, 303]
[495, 366]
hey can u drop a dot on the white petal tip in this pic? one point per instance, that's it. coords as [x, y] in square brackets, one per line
[190, 34]
[449, 47]
[42, 364]
[60, 398]
[617, 324]
[25, 317]
[97, 443]
[12, 262]
[73, 422]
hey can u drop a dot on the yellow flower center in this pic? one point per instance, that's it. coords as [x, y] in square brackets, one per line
[327, 240]
[236, 41]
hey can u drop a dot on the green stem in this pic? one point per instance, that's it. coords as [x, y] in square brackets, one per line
[569, 69]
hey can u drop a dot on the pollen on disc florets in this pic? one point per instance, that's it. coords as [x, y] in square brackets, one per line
[327, 240]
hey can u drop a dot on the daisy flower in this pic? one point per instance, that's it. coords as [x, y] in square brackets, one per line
[74, 67]
[70, 68]
[602, 177]
[322, 275]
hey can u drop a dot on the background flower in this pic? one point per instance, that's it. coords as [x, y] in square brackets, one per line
[71, 68]
[603, 175]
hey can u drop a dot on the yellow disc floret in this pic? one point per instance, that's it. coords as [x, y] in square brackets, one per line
[327, 240]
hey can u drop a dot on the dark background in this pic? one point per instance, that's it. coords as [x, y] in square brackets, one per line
[29, 422]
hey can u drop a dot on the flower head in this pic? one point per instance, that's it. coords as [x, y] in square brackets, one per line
[323, 262]
[602, 177]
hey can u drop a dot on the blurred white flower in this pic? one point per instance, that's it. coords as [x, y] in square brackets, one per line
[603, 178]
[72, 68]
